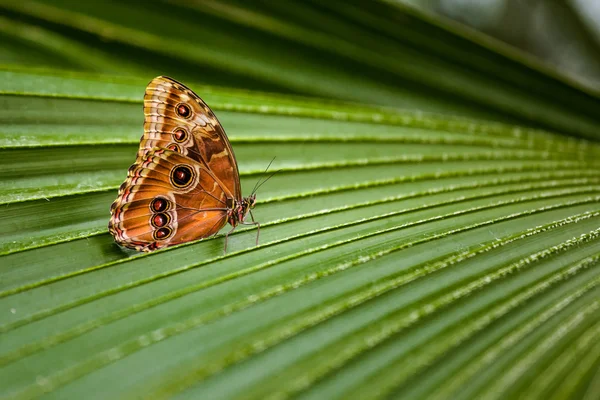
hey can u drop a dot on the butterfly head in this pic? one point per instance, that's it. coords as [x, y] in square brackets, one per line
[251, 201]
[246, 205]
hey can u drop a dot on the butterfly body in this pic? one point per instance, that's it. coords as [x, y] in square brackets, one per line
[185, 183]
[238, 211]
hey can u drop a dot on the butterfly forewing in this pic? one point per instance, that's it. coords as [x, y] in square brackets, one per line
[177, 119]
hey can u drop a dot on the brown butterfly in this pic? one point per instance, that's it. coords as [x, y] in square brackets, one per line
[185, 183]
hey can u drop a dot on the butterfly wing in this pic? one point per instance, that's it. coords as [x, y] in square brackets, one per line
[167, 199]
[177, 119]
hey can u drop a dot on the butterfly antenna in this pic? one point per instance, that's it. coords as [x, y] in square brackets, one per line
[259, 183]
[263, 182]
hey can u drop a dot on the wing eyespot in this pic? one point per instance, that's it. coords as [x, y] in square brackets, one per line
[180, 135]
[159, 204]
[174, 147]
[160, 220]
[183, 110]
[182, 176]
[162, 233]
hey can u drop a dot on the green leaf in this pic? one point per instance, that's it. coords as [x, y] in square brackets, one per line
[383, 54]
[413, 253]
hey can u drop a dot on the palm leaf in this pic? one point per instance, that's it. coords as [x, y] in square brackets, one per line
[447, 249]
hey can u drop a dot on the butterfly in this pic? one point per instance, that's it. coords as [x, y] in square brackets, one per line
[184, 184]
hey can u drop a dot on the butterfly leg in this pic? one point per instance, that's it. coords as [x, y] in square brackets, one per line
[226, 239]
[257, 224]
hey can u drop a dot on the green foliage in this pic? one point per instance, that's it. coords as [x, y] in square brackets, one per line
[433, 231]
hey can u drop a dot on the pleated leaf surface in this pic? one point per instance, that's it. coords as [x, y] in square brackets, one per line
[417, 242]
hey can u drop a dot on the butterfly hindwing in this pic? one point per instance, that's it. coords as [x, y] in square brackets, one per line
[167, 199]
[177, 119]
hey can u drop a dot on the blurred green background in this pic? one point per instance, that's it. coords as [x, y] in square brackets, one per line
[564, 34]
[432, 232]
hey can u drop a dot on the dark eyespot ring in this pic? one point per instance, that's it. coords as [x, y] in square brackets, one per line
[182, 176]
[174, 147]
[159, 204]
[180, 135]
[183, 110]
[159, 220]
[162, 233]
